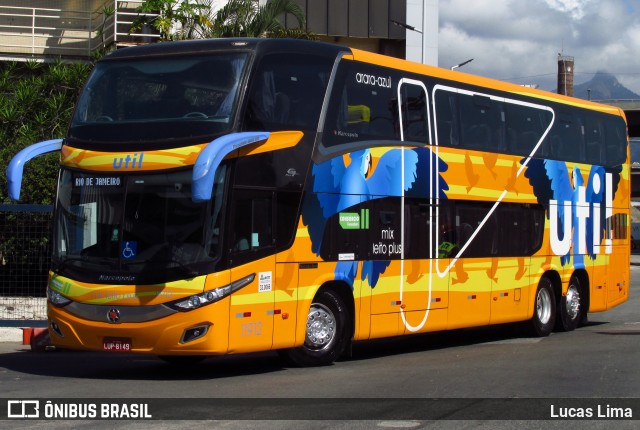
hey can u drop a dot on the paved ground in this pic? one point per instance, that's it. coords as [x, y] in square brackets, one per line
[14, 334]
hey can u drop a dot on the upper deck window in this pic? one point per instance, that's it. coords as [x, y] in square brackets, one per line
[287, 92]
[159, 98]
[363, 106]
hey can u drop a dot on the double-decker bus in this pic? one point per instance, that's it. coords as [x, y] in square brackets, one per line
[228, 196]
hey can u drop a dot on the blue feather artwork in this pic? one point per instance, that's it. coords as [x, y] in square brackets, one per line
[552, 181]
[338, 186]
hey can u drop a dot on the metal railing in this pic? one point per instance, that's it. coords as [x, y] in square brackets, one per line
[25, 256]
[125, 14]
[35, 32]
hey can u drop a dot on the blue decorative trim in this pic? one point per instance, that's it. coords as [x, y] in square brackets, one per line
[204, 170]
[16, 166]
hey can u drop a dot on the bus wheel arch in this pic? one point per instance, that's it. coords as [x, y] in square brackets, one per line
[574, 305]
[544, 305]
[329, 327]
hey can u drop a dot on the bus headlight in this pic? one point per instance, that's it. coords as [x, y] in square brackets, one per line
[212, 296]
[57, 299]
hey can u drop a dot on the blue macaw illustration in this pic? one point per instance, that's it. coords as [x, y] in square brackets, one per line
[337, 186]
[428, 176]
[551, 181]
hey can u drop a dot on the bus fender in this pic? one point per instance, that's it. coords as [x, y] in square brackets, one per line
[556, 281]
[325, 280]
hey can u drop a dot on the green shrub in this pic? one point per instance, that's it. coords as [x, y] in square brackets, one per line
[36, 104]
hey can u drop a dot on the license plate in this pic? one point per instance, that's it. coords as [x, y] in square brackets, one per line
[116, 344]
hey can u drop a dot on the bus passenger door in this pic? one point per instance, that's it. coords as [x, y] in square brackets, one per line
[252, 254]
[509, 289]
[426, 280]
[517, 231]
[422, 287]
[285, 305]
[382, 271]
[619, 260]
[470, 263]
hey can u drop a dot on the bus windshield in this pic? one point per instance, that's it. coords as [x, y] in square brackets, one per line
[120, 227]
[159, 98]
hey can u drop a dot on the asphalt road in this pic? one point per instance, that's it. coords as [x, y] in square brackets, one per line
[481, 378]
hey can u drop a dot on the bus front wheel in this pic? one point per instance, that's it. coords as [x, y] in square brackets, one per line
[327, 332]
[544, 311]
[570, 307]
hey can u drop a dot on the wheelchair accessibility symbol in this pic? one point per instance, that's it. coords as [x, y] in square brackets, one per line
[129, 249]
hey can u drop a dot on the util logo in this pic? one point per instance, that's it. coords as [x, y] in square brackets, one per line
[128, 162]
[579, 214]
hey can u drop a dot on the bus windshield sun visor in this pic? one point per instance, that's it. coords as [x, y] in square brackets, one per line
[209, 159]
[16, 166]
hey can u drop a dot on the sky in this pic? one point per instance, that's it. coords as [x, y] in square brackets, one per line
[519, 40]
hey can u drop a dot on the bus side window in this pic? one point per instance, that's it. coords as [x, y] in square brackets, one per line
[447, 118]
[261, 103]
[567, 138]
[525, 127]
[594, 141]
[615, 141]
[418, 228]
[287, 93]
[414, 113]
[482, 122]
[252, 226]
[363, 105]
[286, 217]
[468, 217]
[449, 241]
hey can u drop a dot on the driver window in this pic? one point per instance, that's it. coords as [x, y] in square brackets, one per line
[252, 223]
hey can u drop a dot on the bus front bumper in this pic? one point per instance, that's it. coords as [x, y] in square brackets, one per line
[201, 331]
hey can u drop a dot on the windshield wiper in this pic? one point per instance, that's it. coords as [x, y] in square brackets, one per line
[60, 264]
[177, 264]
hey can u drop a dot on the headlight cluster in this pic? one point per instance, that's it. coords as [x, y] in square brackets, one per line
[56, 298]
[208, 297]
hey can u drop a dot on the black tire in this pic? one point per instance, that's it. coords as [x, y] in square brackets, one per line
[584, 317]
[544, 309]
[328, 332]
[571, 307]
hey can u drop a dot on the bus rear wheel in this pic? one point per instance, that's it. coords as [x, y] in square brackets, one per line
[544, 311]
[327, 332]
[570, 307]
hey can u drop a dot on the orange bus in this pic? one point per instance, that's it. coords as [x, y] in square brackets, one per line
[239, 195]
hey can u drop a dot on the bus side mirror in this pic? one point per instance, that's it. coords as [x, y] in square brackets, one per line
[16, 166]
[209, 159]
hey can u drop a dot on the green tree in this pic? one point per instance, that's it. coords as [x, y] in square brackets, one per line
[174, 19]
[246, 18]
[185, 19]
[36, 104]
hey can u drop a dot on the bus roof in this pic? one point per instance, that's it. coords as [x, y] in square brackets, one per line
[212, 45]
[263, 46]
[442, 73]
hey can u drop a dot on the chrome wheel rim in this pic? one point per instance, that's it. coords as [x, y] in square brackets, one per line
[572, 301]
[321, 327]
[543, 306]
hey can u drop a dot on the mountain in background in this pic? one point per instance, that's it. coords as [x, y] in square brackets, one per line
[603, 86]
